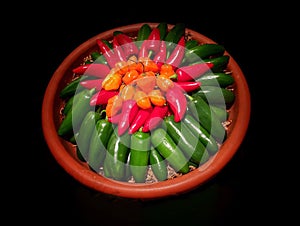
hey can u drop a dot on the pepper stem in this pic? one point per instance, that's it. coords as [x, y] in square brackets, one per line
[188, 96]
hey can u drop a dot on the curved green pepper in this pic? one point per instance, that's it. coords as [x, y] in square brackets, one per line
[192, 147]
[158, 165]
[84, 134]
[207, 118]
[72, 120]
[166, 146]
[117, 154]
[98, 143]
[198, 130]
[72, 87]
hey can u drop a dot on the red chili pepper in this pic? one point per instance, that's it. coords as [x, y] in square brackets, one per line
[117, 48]
[189, 86]
[139, 120]
[155, 118]
[160, 57]
[92, 83]
[177, 102]
[177, 54]
[108, 53]
[102, 96]
[128, 45]
[115, 118]
[95, 69]
[128, 111]
[151, 43]
[193, 71]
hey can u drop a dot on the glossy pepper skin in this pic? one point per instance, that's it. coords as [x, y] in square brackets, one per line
[139, 155]
[109, 55]
[118, 150]
[92, 83]
[167, 147]
[98, 144]
[150, 44]
[102, 97]
[177, 102]
[128, 113]
[189, 86]
[155, 118]
[85, 132]
[118, 50]
[74, 117]
[96, 69]
[139, 120]
[161, 55]
[177, 54]
[128, 45]
[193, 71]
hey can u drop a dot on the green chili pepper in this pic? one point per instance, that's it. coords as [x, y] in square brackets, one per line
[158, 165]
[98, 144]
[200, 109]
[86, 130]
[139, 155]
[72, 121]
[117, 154]
[166, 146]
[190, 144]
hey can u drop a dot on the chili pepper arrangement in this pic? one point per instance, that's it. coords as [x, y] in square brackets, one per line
[148, 107]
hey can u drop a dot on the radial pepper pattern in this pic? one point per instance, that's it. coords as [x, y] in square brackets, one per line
[136, 83]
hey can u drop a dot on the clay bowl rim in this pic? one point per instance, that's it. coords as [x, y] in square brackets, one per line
[155, 190]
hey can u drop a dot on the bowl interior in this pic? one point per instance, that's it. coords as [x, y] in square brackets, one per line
[65, 154]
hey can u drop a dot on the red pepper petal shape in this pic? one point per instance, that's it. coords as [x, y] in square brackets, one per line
[140, 119]
[193, 71]
[177, 102]
[189, 86]
[156, 117]
[102, 97]
[128, 111]
[96, 69]
[92, 83]
[129, 46]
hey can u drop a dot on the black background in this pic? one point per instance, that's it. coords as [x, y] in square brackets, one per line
[53, 196]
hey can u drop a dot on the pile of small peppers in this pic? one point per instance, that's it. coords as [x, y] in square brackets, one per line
[141, 86]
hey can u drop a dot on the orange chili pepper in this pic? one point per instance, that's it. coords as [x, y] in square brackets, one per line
[164, 83]
[122, 67]
[167, 69]
[113, 106]
[149, 65]
[142, 100]
[121, 87]
[112, 81]
[146, 83]
[130, 76]
[156, 97]
[138, 66]
[127, 92]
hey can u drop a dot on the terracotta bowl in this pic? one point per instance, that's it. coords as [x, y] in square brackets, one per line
[64, 153]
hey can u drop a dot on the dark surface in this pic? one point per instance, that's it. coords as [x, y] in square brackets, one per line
[55, 197]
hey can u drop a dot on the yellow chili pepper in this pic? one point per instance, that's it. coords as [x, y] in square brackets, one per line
[112, 81]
